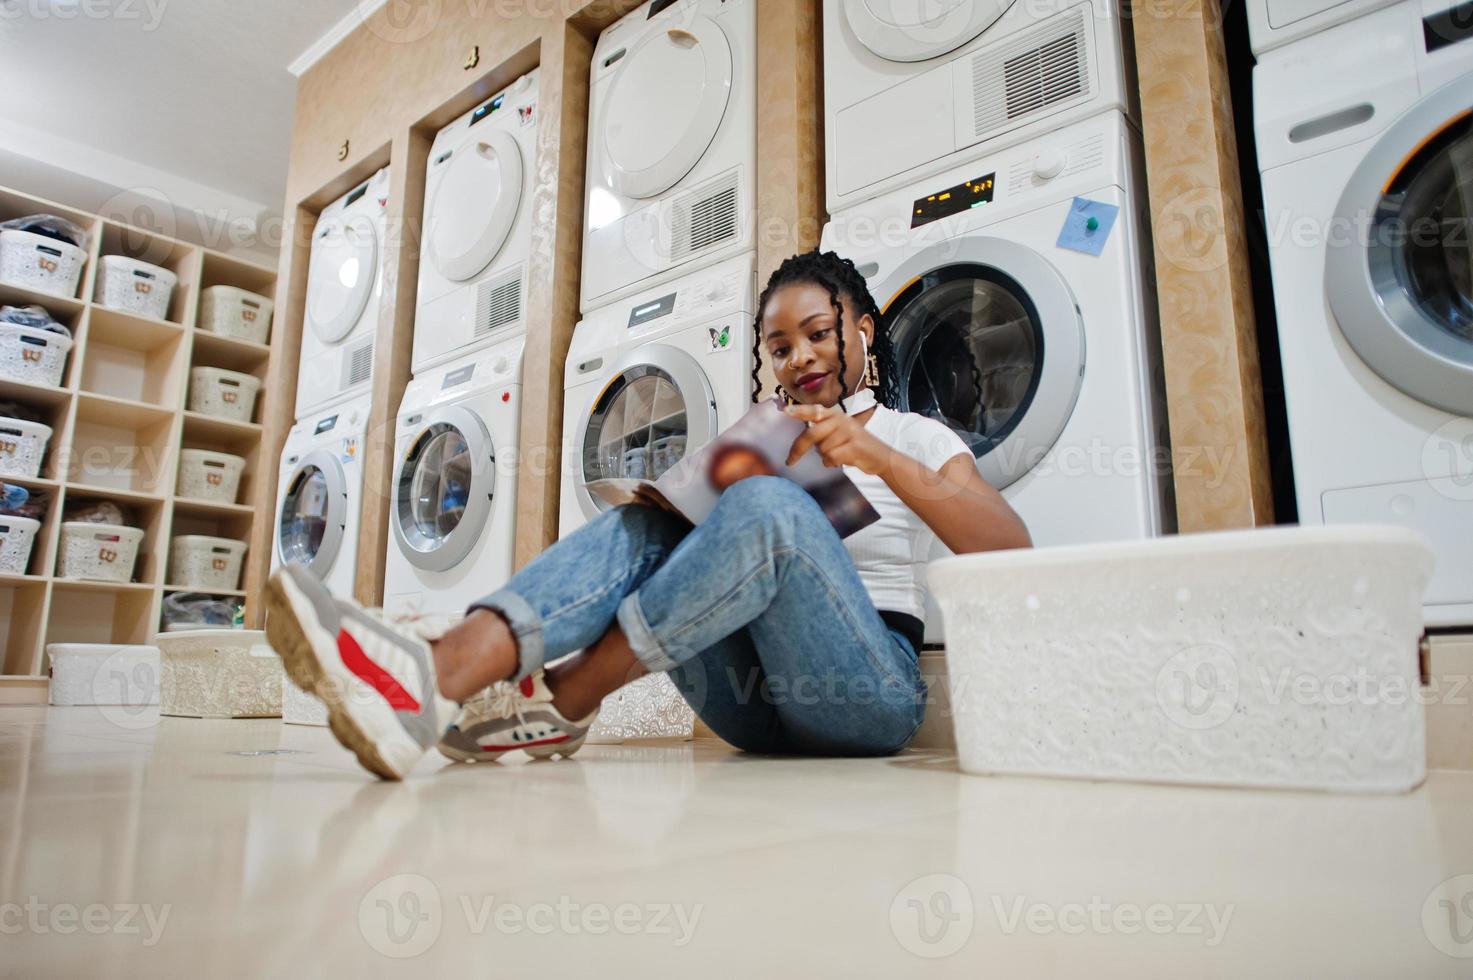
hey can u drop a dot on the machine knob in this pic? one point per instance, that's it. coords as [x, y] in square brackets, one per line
[715, 290]
[499, 365]
[522, 84]
[1049, 163]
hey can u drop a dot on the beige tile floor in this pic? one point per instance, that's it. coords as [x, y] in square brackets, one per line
[139, 846]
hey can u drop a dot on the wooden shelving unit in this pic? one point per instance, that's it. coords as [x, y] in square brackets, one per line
[119, 421]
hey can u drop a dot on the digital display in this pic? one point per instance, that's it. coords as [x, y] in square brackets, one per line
[325, 425]
[355, 196]
[653, 310]
[658, 6]
[487, 109]
[459, 377]
[943, 204]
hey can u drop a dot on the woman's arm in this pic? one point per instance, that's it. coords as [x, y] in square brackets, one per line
[956, 503]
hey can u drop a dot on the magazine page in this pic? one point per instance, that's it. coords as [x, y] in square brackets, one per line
[757, 444]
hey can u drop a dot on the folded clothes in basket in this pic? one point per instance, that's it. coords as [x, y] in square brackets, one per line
[48, 226]
[98, 512]
[35, 317]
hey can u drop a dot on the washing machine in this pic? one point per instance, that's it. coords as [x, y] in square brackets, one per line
[672, 145]
[913, 89]
[344, 284]
[1365, 141]
[320, 494]
[453, 514]
[477, 228]
[652, 377]
[1045, 359]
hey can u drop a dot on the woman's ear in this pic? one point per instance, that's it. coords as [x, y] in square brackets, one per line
[867, 328]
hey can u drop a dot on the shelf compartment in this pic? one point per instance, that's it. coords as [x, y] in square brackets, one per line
[144, 512]
[42, 396]
[218, 269]
[230, 353]
[22, 619]
[100, 612]
[121, 445]
[224, 432]
[157, 249]
[212, 520]
[133, 358]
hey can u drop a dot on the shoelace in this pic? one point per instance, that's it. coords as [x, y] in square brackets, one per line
[502, 699]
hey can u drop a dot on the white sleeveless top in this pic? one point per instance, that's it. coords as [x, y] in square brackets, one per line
[891, 553]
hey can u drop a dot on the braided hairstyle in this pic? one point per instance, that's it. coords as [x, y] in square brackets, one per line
[839, 276]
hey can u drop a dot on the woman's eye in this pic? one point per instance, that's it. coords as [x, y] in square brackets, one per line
[821, 334]
[779, 353]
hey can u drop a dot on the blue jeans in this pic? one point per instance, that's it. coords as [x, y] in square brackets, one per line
[758, 616]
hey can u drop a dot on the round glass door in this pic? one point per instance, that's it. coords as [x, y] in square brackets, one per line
[650, 414]
[915, 30]
[443, 490]
[993, 348]
[665, 106]
[475, 204]
[313, 513]
[340, 277]
[1403, 298]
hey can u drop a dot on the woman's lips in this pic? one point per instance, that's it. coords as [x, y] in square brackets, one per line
[812, 382]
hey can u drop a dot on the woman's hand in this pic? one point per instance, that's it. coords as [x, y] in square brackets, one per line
[841, 440]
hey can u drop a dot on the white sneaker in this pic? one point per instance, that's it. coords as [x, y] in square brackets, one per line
[376, 677]
[506, 717]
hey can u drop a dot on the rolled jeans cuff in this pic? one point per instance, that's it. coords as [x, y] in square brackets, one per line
[642, 641]
[525, 625]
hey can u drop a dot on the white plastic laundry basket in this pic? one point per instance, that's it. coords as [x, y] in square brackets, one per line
[105, 552]
[1278, 657]
[226, 394]
[197, 561]
[233, 312]
[300, 708]
[17, 536]
[208, 475]
[136, 286]
[104, 673]
[32, 355]
[39, 262]
[22, 447]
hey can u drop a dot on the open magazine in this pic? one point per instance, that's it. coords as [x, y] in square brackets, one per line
[757, 444]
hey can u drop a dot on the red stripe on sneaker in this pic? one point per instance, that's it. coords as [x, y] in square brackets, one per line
[373, 675]
[526, 686]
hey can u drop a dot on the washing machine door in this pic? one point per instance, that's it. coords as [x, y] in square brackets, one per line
[915, 30]
[443, 489]
[314, 513]
[474, 204]
[665, 106]
[1403, 292]
[989, 340]
[656, 406]
[340, 278]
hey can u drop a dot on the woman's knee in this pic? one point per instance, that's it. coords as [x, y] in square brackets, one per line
[769, 504]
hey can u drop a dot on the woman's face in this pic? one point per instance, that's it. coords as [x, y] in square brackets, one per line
[800, 336]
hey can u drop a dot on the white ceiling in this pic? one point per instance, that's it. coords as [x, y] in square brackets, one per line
[185, 101]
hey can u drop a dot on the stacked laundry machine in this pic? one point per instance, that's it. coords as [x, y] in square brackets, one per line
[452, 515]
[1363, 113]
[985, 172]
[662, 358]
[320, 492]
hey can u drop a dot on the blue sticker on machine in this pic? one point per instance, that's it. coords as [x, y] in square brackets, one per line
[1087, 226]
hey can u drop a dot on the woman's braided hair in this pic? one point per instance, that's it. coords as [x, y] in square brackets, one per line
[839, 276]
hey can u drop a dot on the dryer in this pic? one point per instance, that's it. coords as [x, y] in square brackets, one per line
[672, 145]
[913, 89]
[1365, 140]
[453, 513]
[1044, 359]
[320, 494]
[652, 377]
[477, 228]
[344, 284]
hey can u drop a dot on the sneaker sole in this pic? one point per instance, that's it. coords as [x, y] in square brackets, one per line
[288, 636]
[564, 749]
